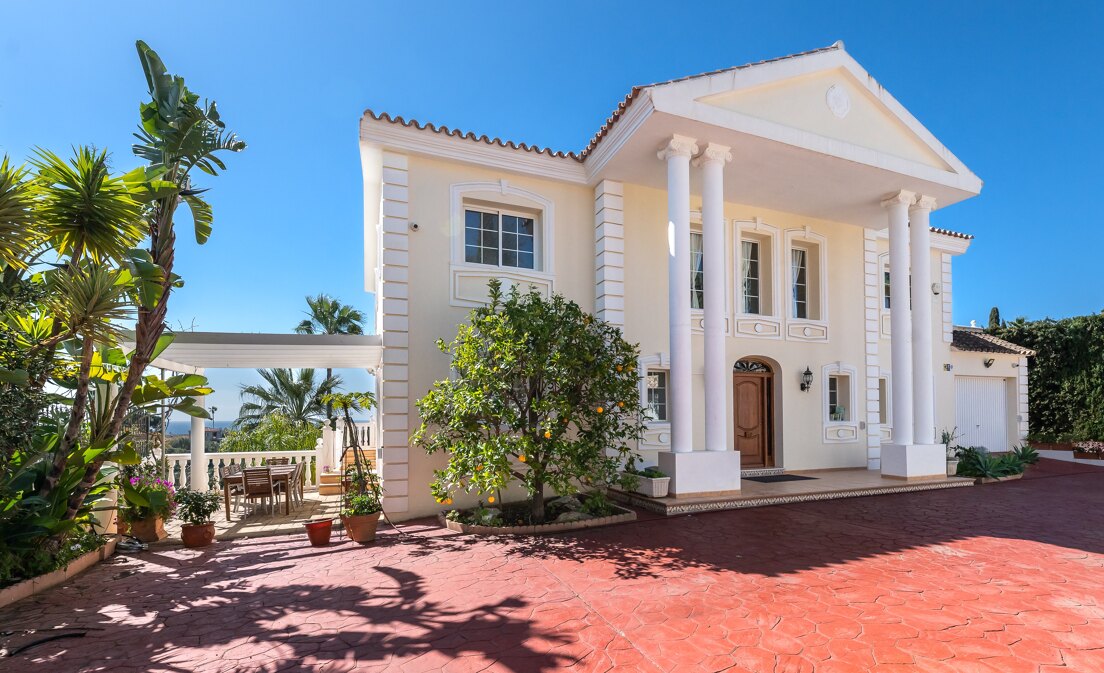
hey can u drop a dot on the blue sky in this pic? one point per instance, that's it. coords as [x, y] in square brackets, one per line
[1013, 89]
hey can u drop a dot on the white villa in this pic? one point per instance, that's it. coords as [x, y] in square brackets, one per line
[749, 228]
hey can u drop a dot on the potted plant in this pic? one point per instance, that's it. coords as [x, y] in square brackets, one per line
[947, 438]
[1088, 450]
[147, 501]
[649, 482]
[360, 516]
[195, 509]
[362, 501]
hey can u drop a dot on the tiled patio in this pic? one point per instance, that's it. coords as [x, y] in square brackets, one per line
[997, 578]
[265, 523]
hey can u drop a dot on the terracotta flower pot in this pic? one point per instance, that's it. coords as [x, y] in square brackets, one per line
[318, 532]
[361, 528]
[147, 530]
[198, 535]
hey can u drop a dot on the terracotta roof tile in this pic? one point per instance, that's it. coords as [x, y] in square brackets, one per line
[955, 234]
[468, 135]
[975, 340]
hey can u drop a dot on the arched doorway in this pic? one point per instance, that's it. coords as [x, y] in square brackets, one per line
[753, 412]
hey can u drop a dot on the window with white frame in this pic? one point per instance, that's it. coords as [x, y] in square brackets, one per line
[885, 289]
[697, 270]
[839, 398]
[751, 279]
[799, 270]
[655, 391]
[500, 238]
[807, 281]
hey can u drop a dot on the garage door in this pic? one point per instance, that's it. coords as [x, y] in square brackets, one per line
[981, 412]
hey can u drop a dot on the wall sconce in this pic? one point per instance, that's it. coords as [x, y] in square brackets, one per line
[937, 289]
[988, 362]
[948, 367]
[1015, 365]
[806, 379]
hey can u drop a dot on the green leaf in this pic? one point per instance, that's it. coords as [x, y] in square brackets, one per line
[202, 216]
[18, 377]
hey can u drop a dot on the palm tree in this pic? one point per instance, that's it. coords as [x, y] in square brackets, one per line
[295, 394]
[329, 316]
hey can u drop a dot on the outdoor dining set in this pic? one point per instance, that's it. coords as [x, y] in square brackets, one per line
[263, 486]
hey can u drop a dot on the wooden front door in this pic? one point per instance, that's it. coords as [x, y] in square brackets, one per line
[751, 400]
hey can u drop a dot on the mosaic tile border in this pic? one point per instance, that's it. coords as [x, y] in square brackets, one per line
[762, 472]
[666, 509]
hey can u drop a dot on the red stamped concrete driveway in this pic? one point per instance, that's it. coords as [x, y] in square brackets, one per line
[1005, 577]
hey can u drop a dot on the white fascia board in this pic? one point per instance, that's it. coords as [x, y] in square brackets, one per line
[371, 166]
[681, 99]
[634, 117]
[438, 145]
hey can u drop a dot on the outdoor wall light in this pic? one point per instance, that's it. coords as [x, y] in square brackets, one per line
[937, 289]
[948, 367]
[806, 379]
[988, 362]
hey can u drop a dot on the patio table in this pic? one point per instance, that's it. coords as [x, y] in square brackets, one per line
[280, 474]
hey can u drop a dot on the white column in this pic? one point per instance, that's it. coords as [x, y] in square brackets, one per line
[199, 456]
[900, 316]
[923, 397]
[677, 153]
[712, 163]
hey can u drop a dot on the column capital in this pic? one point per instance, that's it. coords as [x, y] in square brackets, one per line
[902, 197]
[714, 153]
[678, 146]
[923, 203]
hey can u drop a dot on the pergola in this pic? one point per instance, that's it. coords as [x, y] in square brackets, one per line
[195, 352]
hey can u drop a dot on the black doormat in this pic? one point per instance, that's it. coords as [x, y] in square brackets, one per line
[774, 478]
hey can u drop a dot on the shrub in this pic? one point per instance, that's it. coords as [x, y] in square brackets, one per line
[543, 394]
[1026, 454]
[361, 504]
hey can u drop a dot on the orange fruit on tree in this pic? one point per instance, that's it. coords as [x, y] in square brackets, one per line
[548, 434]
[490, 499]
[521, 458]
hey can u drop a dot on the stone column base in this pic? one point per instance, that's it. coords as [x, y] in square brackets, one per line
[701, 473]
[914, 461]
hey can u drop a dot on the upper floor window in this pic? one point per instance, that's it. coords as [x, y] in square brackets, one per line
[655, 405]
[799, 268]
[697, 271]
[885, 289]
[750, 276]
[499, 238]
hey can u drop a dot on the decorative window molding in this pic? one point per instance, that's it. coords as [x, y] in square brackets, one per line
[767, 324]
[836, 429]
[815, 327]
[885, 407]
[468, 280]
[657, 433]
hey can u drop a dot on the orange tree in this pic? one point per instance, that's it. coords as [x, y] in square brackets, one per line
[543, 394]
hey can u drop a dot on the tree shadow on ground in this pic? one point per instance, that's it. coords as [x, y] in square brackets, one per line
[1055, 503]
[149, 614]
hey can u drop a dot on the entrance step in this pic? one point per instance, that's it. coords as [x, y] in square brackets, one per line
[761, 472]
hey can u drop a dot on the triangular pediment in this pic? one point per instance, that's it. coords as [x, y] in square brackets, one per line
[832, 104]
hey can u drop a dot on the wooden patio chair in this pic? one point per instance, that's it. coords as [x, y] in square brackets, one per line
[295, 485]
[279, 461]
[236, 490]
[259, 486]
